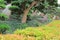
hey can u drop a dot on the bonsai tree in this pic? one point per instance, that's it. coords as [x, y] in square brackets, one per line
[26, 5]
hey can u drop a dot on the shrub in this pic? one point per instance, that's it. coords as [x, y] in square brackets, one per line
[29, 32]
[3, 27]
[47, 32]
[3, 16]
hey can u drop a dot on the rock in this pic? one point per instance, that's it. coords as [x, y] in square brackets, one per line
[7, 11]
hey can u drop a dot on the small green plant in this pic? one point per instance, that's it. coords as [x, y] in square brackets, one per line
[3, 27]
[3, 16]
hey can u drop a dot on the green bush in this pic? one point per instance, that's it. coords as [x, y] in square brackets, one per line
[3, 27]
[3, 16]
[46, 32]
[29, 32]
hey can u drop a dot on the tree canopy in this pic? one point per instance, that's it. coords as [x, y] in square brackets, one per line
[24, 6]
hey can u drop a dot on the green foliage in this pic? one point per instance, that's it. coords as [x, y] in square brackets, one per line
[2, 5]
[15, 3]
[3, 16]
[22, 26]
[46, 4]
[29, 32]
[41, 5]
[46, 32]
[3, 27]
[15, 24]
[57, 12]
[1, 1]
[33, 22]
[14, 8]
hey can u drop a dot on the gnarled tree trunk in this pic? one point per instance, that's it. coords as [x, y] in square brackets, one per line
[24, 18]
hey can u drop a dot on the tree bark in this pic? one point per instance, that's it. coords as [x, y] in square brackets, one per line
[24, 18]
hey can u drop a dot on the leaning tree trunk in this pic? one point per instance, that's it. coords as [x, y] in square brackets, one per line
[24, 18]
